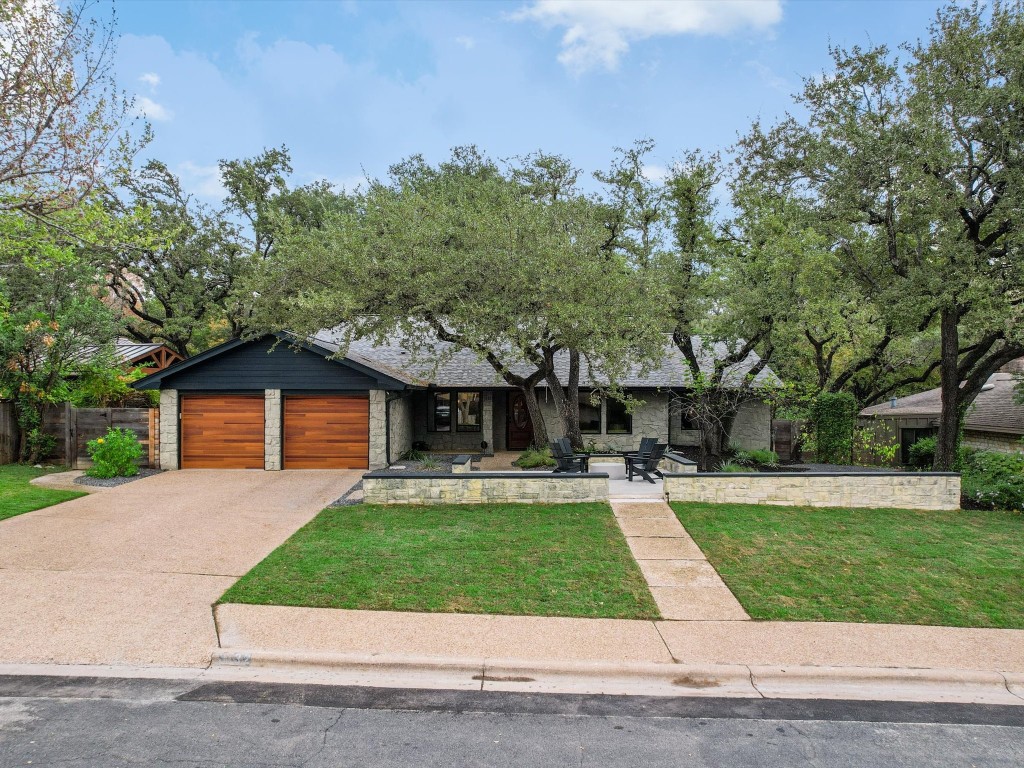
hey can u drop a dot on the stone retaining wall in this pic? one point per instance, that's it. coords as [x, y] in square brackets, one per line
[900, 490]
[480, 487]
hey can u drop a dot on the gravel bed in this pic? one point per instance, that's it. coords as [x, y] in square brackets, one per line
[111, 482]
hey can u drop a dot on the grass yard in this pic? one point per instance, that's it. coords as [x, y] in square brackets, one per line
[18, 496]
[891, 566]
[518, 559]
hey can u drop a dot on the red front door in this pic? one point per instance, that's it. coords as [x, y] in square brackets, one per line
[520, 428]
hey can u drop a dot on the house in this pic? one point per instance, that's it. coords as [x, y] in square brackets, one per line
[276, 402]
[994, 422]
[149, 357]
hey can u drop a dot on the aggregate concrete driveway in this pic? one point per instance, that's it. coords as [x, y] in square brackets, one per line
[127, 576]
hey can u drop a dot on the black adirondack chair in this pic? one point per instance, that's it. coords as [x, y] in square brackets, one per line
[567, 461]
[646, 466]
[646, 446]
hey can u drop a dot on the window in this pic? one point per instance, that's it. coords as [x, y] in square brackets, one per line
[590, 415]
[618, 421]
[909, 436]
[468, 412]
[441, 412]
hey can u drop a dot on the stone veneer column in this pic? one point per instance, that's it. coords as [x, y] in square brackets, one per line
[169, 427]
[272, 416]
[487, 422]
[378, 429]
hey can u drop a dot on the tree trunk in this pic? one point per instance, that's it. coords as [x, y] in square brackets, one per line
[540, 431]
[951, 416]
[567, 401]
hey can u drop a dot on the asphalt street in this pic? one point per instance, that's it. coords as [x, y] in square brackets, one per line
[109, 723]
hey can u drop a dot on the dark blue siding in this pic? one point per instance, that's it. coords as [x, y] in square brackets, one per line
[250, 367]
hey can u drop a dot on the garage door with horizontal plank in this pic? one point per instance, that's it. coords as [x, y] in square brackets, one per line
[326, 432]
[222, 431]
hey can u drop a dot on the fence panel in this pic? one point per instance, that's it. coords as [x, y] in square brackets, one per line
[8, 433]
[75, 427]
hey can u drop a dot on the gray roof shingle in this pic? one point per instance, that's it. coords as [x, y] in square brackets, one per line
[993, 410]
[447, 367]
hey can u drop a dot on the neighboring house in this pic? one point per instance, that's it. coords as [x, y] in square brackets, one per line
[994, 422]
[241, 405]
[134, 354]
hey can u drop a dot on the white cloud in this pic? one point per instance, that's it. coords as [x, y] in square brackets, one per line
[655, 173]
[465, 41]
[598, 33]
[203, 180]
[146, 107]
[152, 79]
[770, 78]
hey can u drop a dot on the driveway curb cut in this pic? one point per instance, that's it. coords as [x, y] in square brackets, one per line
[650, 679]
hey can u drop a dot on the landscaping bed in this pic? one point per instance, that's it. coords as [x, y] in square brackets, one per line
[111, 482]
[514, 559]
[18, 496]
[892, 566]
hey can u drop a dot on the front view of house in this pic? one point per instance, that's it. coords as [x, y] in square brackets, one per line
[277, 403]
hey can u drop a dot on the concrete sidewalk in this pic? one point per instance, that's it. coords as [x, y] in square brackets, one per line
[720, 658]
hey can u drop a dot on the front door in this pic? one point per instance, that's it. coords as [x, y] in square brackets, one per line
[520, 428]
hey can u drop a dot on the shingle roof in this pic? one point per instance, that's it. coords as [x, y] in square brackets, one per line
[444, 366]
[994, 410]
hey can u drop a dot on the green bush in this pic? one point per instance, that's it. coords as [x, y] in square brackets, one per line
[759, 457]
[992, 480]
[922, 453]
[834, 415]
[731, 466]
[532, 458]
[114, 454]
[40, 444]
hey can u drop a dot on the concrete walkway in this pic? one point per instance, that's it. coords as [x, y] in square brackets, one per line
[684, 584]
[127, 576]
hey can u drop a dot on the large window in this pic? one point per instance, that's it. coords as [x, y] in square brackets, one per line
[590, 415]
[440, 414]
[469, 419]
[618, 421]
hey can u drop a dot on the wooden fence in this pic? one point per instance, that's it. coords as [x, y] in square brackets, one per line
[8, 433]
[73, 428]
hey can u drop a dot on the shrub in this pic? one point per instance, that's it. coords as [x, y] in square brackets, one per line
[993, 480]
[114, 454]
[429, 462]
[413, 454]
[40, 444]
[922, 453]
[532, 458]
[731, 466]
[834, 415]
[759, 457]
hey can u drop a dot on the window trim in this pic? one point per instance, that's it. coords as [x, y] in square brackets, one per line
[470, 428]
[629, 419]
[584, 401]
[432, 412]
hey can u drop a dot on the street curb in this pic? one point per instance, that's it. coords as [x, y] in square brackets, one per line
[649, 679]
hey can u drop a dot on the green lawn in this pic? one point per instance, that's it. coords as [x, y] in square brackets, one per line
[540, 560]
[893, 566]
[18, 496]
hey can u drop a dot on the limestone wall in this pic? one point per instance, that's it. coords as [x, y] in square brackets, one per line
[400, 426]
[378, 429]
[993, 441]
[900, 490]
[649, 420]
[752, 428]
[483, 487]
[272, 417]
[169, 429]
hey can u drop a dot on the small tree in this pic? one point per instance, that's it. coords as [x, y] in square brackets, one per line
[834, 415]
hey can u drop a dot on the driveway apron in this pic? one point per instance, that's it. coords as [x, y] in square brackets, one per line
[128, 576]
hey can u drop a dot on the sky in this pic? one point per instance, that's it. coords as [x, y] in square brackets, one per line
[352, 87]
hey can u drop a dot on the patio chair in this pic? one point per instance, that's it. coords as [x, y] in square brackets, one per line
[646, 446]
[567, 462]
[645, 466]
[568, 450]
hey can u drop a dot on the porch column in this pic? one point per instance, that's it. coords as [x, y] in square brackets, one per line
[272, 416]
[378, 429]
[487, 422]
[169, 429]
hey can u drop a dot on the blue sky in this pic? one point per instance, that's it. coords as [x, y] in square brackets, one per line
[355, 86]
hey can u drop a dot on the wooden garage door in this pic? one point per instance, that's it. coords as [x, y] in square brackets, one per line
[222, 431]
[326, 432]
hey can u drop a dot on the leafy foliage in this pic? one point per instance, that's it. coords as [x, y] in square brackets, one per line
[760, 457]
[834, 415]
[115, 454]
[993, 480]
[532, 458]
[732, 466]
[922, 453]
